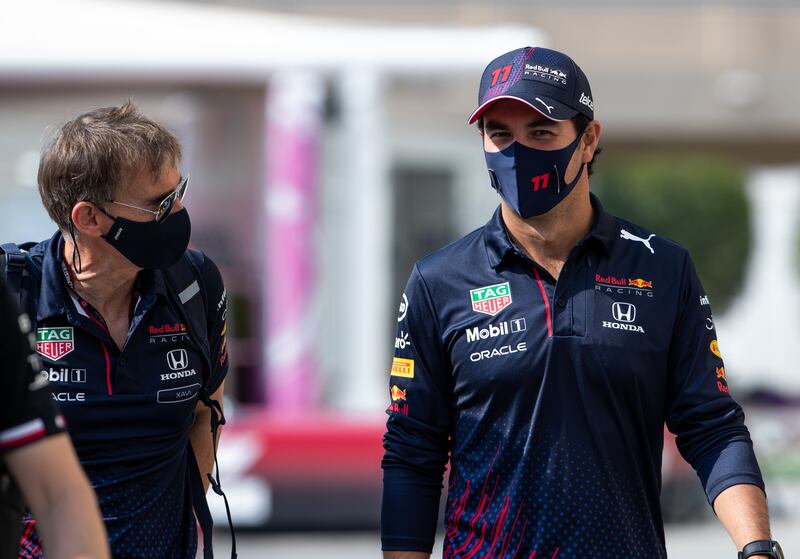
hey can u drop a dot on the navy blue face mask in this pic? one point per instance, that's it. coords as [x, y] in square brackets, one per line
[530, 180]
[149, 244]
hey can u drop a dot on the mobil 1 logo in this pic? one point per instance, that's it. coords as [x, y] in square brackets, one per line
[494, 330]
[64, 375]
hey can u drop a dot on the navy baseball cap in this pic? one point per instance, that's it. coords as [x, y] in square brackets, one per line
[547, 80]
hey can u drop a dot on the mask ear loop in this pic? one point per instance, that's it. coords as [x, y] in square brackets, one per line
[77, 265]
[493, 181]
[578, 176]
[558, 179]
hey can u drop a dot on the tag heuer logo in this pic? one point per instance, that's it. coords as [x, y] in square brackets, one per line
[491, 299]
[54, 343]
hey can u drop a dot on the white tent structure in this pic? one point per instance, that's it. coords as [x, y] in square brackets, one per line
[82, 39]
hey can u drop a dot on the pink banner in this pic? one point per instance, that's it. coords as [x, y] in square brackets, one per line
[291, 324]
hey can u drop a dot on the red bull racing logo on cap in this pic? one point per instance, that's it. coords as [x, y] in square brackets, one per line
[491, 299]
[546, 73]
[55, 343]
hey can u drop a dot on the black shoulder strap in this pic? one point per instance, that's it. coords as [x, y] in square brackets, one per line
[186, 287]
[19, 270]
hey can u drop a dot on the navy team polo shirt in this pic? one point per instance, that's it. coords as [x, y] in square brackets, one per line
[129, 411]
[549, 397]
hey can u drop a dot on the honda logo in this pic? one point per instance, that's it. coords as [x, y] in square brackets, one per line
[177, 359]
[623, 312]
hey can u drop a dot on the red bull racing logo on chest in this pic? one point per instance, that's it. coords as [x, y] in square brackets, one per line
[615, 284]
[491, 299]
[55, 343]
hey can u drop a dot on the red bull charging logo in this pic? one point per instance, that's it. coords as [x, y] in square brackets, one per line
[398, 394]
[639, 283]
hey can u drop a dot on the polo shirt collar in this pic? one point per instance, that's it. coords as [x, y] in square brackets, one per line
[604, 228]
[53, 295]
[499, 244]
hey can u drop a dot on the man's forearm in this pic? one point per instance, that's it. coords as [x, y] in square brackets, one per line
[742, 509]
[63, 503]
[201, 440]
[64, 535]
[405, 555]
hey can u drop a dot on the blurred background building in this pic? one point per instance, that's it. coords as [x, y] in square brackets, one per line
[328, 150]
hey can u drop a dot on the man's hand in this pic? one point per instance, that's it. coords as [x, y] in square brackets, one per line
[742, 509]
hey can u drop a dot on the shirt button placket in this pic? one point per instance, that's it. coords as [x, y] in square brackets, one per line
[562, 322]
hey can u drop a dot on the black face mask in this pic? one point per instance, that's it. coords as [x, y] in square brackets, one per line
[148, 244]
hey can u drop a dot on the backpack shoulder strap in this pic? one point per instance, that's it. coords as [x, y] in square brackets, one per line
[21, 271]
[14, 264]
[195, 259]
[186, 287]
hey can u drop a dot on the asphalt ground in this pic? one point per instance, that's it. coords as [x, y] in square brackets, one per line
[695, 541]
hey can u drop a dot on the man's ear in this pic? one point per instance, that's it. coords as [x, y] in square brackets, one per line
[89, 220]
[591, 139]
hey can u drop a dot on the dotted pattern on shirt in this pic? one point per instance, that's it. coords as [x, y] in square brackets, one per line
[541, 494]
[153, 517]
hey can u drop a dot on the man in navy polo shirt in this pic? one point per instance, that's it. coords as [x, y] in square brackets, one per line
[543, 353]
[125, 365]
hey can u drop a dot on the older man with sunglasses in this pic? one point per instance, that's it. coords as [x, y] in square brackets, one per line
[126, 364]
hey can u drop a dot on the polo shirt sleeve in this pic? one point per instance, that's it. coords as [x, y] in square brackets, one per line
[417, 438]
[28, 412]
[708, 423]
[217, 301]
